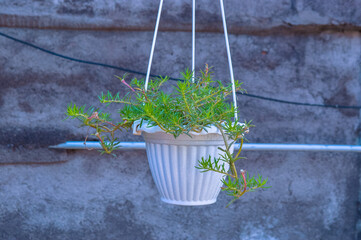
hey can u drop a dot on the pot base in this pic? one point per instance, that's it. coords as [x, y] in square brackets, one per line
[189, 203]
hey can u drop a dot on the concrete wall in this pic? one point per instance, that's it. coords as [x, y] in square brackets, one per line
[306, 51]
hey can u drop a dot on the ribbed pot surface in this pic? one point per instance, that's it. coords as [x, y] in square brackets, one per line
[172, 163]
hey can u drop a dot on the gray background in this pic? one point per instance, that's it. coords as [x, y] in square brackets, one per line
[298, 50]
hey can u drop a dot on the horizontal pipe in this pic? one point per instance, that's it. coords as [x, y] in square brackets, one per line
[246, 146]
[96, 145]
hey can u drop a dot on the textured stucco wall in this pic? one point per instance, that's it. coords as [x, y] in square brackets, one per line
[306, 51]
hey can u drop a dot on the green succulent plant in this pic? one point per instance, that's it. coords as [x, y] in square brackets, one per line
[193, 105]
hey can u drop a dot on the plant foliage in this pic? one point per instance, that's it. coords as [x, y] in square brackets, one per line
[190, 107]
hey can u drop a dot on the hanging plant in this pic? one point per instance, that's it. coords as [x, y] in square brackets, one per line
[189, 133]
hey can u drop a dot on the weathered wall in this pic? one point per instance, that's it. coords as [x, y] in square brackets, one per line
[305, 51]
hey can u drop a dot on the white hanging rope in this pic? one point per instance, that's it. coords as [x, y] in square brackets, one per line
[193, 50]
[153, 44]
[193, 39]
[229, 61]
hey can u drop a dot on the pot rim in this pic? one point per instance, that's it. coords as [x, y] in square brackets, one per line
[137, 129]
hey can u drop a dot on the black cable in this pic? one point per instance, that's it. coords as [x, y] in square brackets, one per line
[299, 103]
[76, 59]
[171, 78]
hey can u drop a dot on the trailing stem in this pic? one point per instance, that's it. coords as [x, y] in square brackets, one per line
[235, 185]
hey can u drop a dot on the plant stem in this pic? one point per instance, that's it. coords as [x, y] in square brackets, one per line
[244, 181]
[117, 101]
[186, 102]
[209, 96]
[214, 170]
[240, 149]
[231, 160]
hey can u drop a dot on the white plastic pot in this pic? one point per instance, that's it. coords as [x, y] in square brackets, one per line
[172, 163]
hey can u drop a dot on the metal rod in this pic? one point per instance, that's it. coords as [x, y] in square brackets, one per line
[96, 145]
[153, 44]
[246, 146]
